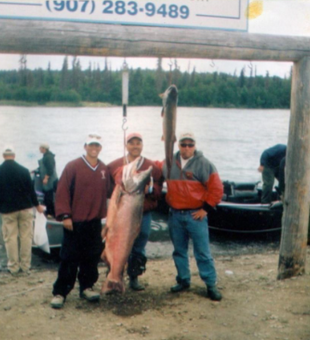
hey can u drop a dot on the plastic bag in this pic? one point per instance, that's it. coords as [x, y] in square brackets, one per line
[40, 237]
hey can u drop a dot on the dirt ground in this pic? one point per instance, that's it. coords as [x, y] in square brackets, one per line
[255, 305]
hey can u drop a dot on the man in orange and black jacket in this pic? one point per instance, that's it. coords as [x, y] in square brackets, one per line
[194, 188]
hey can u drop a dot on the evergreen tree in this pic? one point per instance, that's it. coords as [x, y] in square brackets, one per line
[195, 89]
[242, 78]
[50, 76]
[159, 76]
[65, 81]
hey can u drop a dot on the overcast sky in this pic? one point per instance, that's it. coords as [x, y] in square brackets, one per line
[280, 17]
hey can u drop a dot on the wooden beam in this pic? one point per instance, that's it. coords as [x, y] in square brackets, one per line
[292, 258]
[45, 37]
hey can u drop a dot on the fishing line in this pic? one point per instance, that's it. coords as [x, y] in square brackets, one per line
[125, 84]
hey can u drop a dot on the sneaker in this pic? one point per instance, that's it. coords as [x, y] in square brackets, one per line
[214, 294]
[90, 295]
[57, 301]
[135, 285]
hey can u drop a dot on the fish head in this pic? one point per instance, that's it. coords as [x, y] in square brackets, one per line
[134, 181]
[170, 95]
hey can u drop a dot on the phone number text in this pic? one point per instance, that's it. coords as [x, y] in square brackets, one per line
[109, 7]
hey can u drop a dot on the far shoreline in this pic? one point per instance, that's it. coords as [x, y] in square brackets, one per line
[18, 103]
[53, 104]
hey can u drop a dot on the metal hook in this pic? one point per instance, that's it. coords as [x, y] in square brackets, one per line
[123, 126]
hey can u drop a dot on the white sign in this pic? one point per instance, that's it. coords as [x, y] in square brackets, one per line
[207, 14]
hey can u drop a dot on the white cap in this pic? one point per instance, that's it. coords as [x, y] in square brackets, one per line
[93, 138]
[187, 135]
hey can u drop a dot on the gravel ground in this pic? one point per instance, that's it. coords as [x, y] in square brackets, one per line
[160, 247]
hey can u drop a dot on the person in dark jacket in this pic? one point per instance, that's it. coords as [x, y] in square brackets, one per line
[47, 169]
[137, 259]
[17, 199]
[269, 167]
[81, 203]
[281, 188]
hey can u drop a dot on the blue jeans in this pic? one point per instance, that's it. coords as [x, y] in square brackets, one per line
[182, 227]
[141, 240]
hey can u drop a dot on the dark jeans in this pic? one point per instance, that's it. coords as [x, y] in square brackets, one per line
[141, 240]
[137, 258]
[80, 255]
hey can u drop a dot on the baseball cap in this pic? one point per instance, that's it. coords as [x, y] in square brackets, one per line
[187, 135]
[93, 138]
[133, 135]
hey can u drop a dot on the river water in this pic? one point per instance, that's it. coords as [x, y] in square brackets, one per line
[233, 139]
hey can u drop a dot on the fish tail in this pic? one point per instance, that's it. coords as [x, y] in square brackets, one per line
[111, 287]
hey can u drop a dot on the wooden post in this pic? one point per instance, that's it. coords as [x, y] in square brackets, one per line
[293, 248]
[81, 39]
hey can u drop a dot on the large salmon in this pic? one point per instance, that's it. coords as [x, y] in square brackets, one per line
[123, 223]
[169, 114]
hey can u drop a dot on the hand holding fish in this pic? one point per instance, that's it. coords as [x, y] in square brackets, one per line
[199, 214]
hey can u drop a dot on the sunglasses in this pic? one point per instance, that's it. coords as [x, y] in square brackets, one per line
[184, 145]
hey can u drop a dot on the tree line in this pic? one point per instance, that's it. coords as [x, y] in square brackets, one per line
[74, 85]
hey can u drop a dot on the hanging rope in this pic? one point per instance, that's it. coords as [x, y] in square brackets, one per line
[125, 84]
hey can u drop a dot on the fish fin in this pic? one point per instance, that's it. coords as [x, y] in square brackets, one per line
[118, 197]
[103, 256]
[162, 112]
[104, 232]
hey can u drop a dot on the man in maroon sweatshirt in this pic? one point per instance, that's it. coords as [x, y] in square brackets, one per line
[81, 203]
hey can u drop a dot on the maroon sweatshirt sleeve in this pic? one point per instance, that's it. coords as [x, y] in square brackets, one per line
[64, 193]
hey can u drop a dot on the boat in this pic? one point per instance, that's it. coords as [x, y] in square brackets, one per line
[240, 211]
